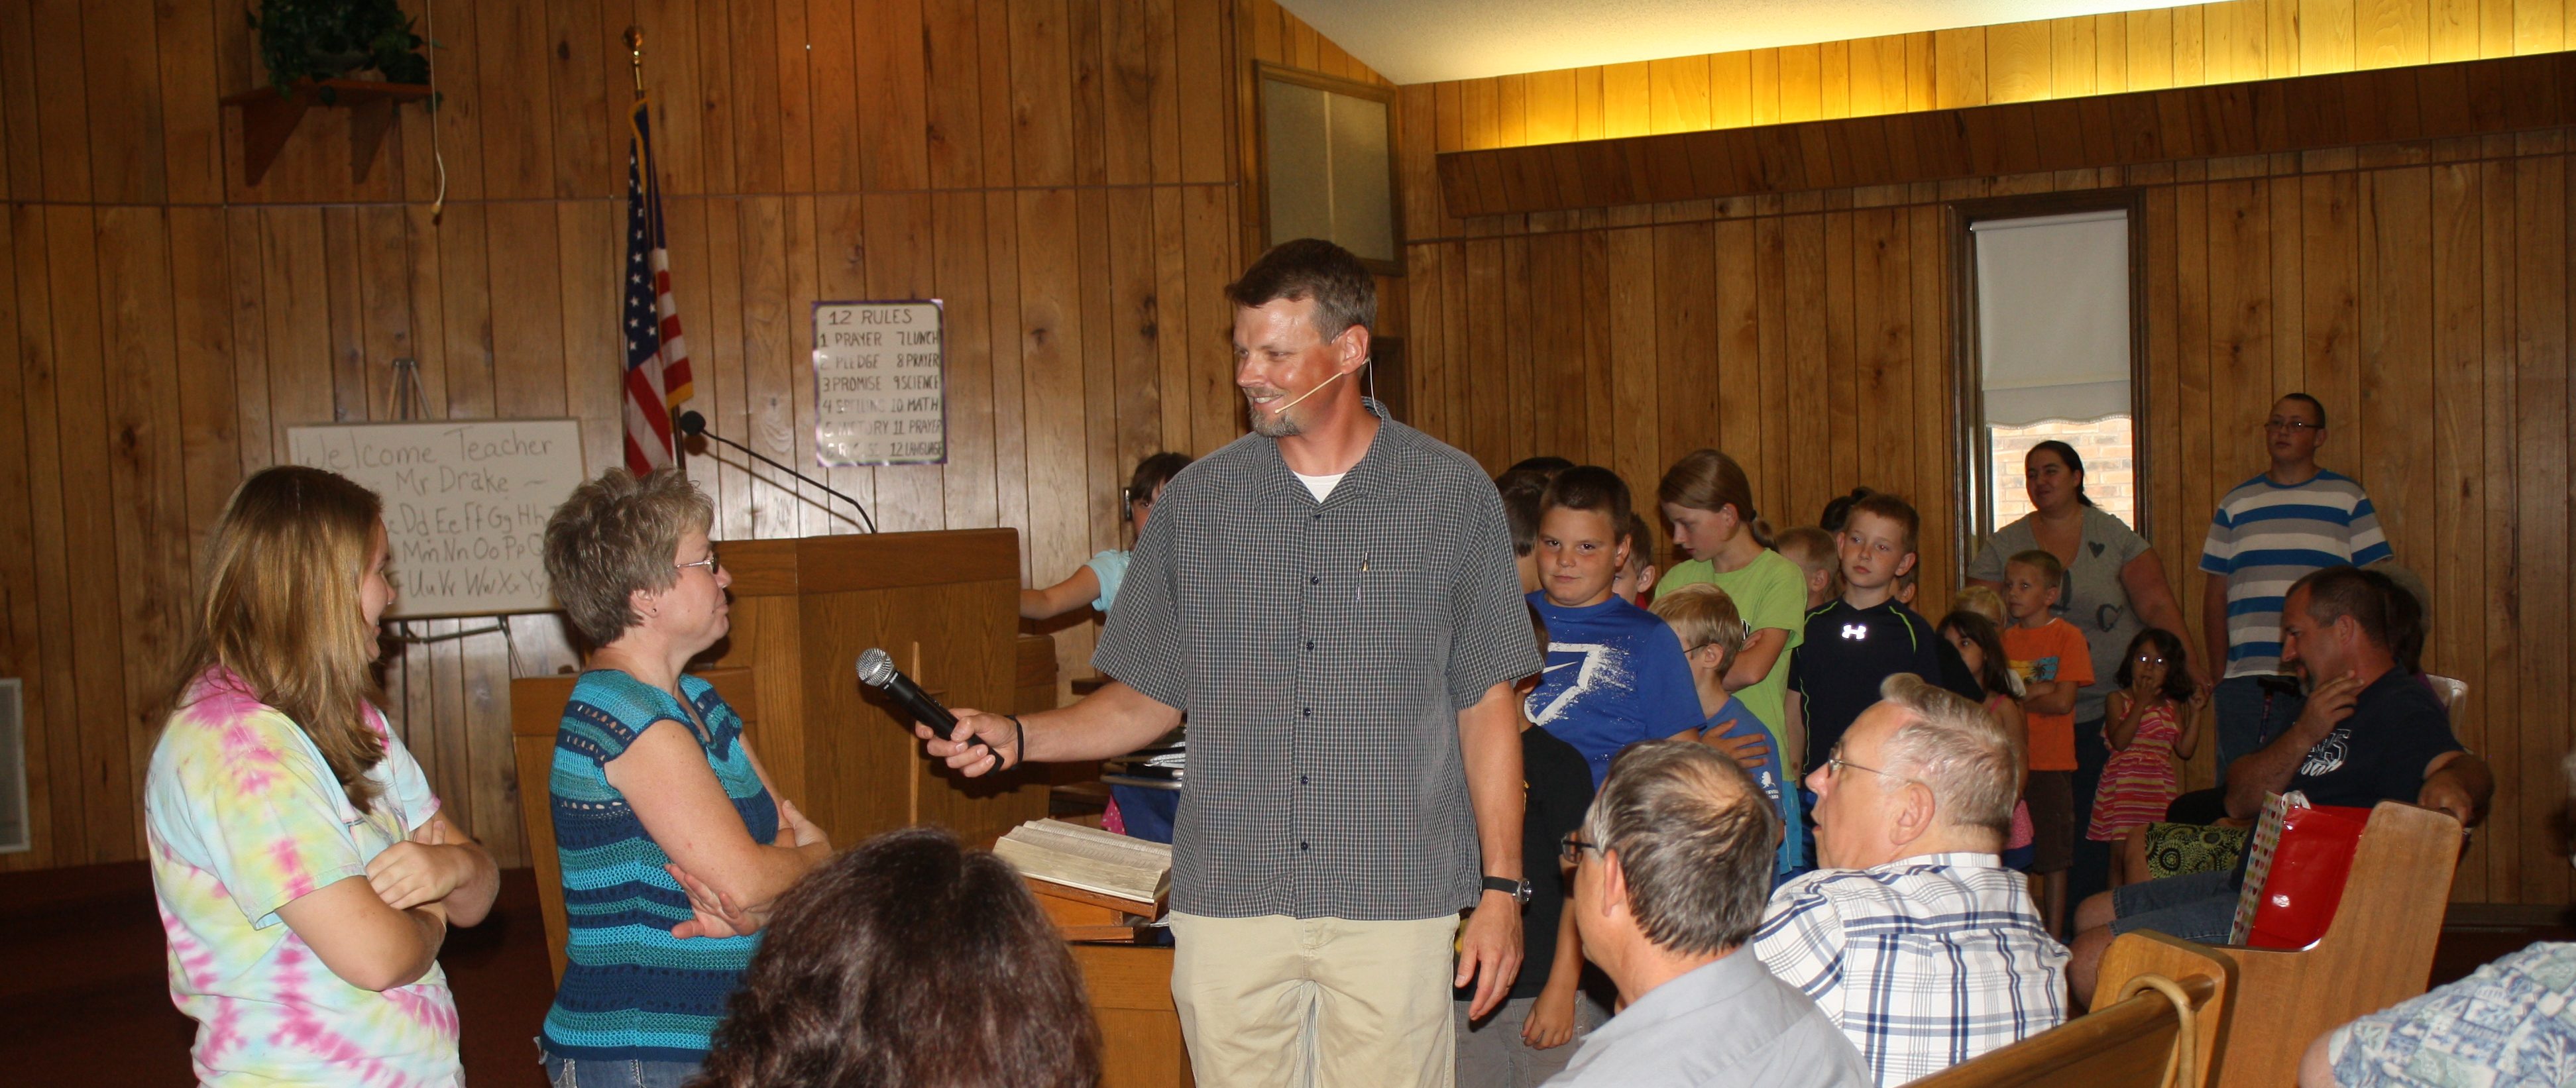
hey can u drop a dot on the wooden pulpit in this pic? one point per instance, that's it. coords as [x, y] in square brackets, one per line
[1129, 984]
[945, 605]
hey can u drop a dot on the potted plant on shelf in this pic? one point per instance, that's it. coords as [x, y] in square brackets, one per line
[322, 40]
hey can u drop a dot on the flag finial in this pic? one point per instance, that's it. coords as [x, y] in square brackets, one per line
[635, 55]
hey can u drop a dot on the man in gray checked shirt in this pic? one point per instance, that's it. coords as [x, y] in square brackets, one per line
[1332, 600]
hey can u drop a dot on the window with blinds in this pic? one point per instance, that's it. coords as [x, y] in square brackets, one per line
[2053, 345]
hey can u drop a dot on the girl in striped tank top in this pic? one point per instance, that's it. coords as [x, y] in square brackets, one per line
[2153, 723]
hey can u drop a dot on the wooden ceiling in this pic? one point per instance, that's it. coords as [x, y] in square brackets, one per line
[2508, 94]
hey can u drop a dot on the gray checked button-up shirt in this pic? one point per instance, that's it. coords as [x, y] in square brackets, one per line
[1323, 652]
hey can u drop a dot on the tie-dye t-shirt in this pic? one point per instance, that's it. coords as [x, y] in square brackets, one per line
[244, 817]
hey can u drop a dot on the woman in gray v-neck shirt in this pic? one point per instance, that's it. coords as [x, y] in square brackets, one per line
[2114, 588]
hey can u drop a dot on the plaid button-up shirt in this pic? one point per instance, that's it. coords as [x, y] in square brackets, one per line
[1323, 652]
[1924, 962]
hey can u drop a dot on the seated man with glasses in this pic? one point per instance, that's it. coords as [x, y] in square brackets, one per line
[1914, 938]
[1670, 869]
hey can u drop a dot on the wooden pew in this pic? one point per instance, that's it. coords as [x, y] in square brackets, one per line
[2376, 952]
[2130, 1043]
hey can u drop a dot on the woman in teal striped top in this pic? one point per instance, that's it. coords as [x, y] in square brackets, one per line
[672, 840]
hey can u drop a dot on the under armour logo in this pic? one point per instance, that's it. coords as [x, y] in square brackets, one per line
[1855, 630]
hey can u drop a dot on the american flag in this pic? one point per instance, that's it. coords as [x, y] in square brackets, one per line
[657, 360]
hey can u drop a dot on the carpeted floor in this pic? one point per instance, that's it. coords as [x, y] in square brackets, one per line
[84, 998]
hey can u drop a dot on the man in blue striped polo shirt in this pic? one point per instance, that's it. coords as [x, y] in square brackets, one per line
[2268, 533]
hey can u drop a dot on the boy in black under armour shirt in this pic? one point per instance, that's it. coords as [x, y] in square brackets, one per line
[1868, 635]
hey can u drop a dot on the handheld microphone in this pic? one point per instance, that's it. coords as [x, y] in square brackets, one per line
[691, 423]
[877, 670]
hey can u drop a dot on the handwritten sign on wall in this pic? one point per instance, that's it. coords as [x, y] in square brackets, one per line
[880, 384]
[466, 503]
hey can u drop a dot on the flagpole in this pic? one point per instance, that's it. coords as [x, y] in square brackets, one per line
[635, 56]
[645, 193]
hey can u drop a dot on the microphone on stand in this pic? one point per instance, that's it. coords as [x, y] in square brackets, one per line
[877, 670]
[691, 423]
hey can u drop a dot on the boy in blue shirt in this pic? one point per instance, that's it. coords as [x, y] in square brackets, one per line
[1615, 674]
[1711, 632]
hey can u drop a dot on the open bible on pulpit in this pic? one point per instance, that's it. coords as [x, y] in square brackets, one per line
[1096, 885]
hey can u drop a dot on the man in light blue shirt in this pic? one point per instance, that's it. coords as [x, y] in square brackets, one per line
[2269, 532]
[1672, 869]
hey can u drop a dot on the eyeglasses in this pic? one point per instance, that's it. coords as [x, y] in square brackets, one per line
[1835, 763]
[1570, 849]
[709, 563]
[2291, 425]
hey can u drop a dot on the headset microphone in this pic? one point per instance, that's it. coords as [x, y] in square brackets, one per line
[1319, 387]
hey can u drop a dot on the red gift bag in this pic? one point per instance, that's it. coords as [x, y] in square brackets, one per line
[2294, 872]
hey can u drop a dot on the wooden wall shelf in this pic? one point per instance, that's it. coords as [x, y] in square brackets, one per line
[269, 117]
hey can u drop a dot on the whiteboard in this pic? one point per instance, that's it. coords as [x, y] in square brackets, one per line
[466, 503]
[880, 384]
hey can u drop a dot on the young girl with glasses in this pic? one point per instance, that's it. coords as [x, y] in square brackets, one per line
[2153, 724]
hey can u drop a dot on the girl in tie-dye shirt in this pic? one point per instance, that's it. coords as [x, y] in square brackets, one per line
[304, 873]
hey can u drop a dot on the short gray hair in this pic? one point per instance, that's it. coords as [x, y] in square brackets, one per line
[1955, 748]
[614, 537]
[1694, 837]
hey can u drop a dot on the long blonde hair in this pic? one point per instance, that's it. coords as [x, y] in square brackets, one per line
[280, 611]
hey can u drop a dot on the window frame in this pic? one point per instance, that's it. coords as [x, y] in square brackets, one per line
[1973, 492]
[1256, 206]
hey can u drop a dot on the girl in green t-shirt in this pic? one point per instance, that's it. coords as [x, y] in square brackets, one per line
[1709, 502]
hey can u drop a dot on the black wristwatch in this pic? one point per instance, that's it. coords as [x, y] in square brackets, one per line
[1519, 890]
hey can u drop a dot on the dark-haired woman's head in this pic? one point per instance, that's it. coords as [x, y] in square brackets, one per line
[2157, 648]
[1838, 509]
[908, 960]
[1981, 648]
[2053, 473]
[1545, 465]
[1136, 502]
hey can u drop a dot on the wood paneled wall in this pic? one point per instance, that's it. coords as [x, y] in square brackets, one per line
[1060, 172]
[1975, 66]
[2421, 291]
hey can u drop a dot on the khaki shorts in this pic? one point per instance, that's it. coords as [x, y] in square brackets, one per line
[1280, 1002]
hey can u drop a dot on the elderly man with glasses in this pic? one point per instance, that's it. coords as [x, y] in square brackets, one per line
[1914, 938]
